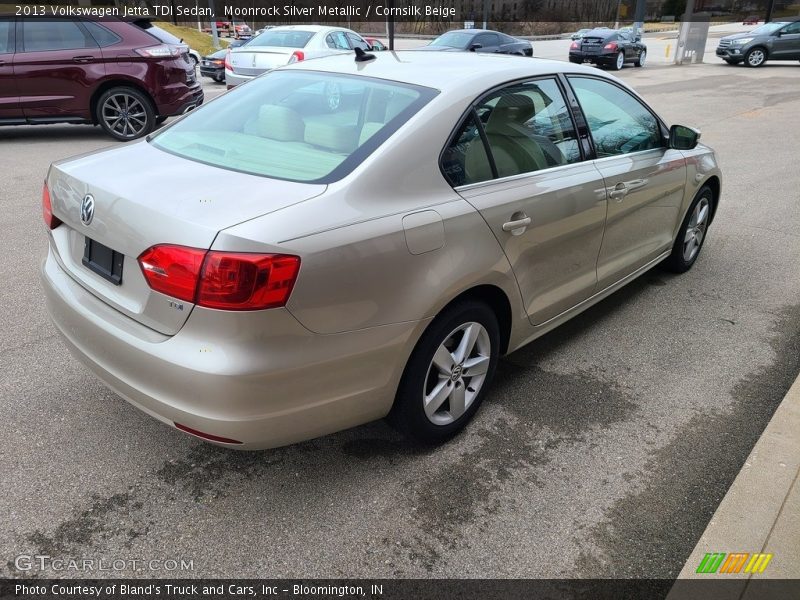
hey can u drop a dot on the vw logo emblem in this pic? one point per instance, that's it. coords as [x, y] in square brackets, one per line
[87, 209]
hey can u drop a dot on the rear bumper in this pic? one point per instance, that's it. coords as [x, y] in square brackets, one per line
[259, 378]
[178, 98]
[233, 79]
[596, 59]
[213, 72]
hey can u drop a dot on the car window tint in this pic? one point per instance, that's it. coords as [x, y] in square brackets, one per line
[465, 160]
[6, 29]
[39, 35]
[618, 122]
[101, 35]
[529, 128]
[294, 125]
[486, 39]
[337, 40]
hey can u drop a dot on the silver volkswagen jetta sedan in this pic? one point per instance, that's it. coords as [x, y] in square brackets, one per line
[343, 240]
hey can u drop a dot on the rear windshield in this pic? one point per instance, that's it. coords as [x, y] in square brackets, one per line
[283, 38]
[304, 126]
[154, 30]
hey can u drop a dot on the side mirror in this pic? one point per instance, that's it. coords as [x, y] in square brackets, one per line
[682, 137]
[473, 47]
[638, 38]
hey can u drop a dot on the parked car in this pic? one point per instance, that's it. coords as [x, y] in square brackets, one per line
[286, 45]
[213, 65]
[342, 240]
[242, 31]
[608, 48]
[751, 20]
[69, 71]
[480, 40]
[579, 34]
[777, 40]
[376, 44]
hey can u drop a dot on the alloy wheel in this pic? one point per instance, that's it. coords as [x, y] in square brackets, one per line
[456, 373]
[696, 230]
[620, 60]
[756, 57]
[642, 58]
[124, 115]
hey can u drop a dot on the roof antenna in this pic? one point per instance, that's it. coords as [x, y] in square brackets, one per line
[362, 56]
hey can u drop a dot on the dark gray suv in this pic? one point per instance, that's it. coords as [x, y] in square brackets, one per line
[778, 40]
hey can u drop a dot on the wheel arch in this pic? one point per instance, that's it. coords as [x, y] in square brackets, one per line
[716, 188]
[497, 300]
[118, 82]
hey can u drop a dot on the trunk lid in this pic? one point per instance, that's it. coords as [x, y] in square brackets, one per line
[254, 61]
[592, 44]
[144, 196]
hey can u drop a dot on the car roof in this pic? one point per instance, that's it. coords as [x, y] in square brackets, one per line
[314, 28]
[442, 70]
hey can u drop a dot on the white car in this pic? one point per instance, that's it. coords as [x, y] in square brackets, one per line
[288, 44]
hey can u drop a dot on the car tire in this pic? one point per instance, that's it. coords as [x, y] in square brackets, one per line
[755, 57]
[195, 62]
[424, 384]
[123, 100]
[692, 233]
[619, 61]
[640, 60]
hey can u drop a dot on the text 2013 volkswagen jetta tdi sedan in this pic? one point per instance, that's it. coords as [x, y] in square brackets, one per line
[342, 240]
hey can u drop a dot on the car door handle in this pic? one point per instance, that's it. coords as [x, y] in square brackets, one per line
[618, 192]
[518, 225]
[82, 59]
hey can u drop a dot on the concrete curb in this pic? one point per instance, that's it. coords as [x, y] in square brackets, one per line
[761, 511]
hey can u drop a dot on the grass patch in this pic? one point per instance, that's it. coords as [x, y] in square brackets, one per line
[197, 40]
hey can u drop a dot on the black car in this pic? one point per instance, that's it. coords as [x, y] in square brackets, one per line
[608, 48]
[480, 40]
[213, 65]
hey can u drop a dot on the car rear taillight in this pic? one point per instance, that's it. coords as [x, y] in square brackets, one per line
[221, 280]
[227, 63]
[160, 51]
[47, 210]
[296, 56]
[574, 46]
[172, 270]
[610, 46]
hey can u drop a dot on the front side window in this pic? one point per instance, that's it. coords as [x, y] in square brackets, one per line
[528, 128]
[487, 40]
[40, 35]
[302, 126]
[454, 39]
[618, 122]
[793, 28]
[6, 41]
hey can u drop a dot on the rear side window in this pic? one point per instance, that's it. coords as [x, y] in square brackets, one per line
[101, 35]
[283, 38]
[6, 36]
[618, 122]
[337, 40]
[301, 126]
[465, 160]
[40, 35]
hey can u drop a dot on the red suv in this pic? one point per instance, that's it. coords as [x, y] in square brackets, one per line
[126, 76]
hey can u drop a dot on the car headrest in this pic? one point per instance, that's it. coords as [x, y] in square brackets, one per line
[513, 108]
[332, 136]
[277, 123]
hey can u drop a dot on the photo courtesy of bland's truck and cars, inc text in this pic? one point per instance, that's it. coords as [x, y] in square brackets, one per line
[400, 299]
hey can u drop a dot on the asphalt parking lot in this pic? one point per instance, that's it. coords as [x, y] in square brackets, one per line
[603, 449]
